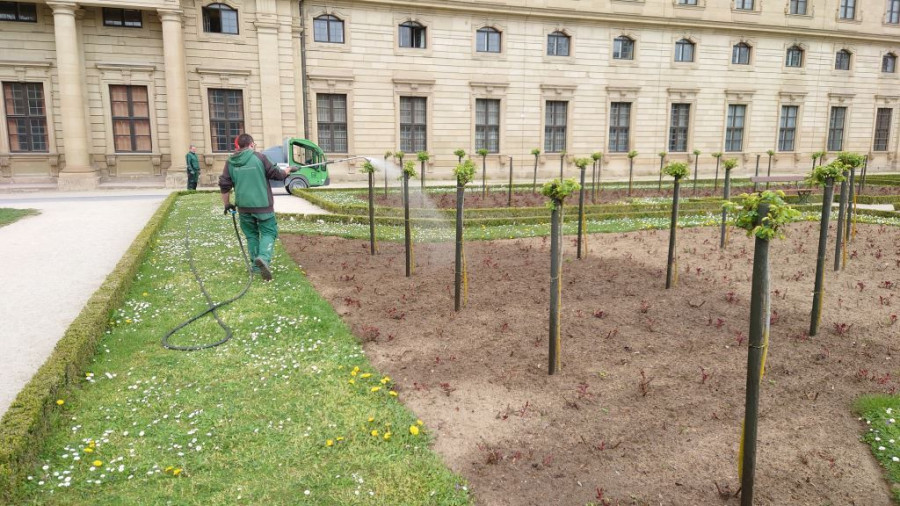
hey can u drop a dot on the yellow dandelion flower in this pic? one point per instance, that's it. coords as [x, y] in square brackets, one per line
[385, 380]
[176, 472]
[352, 382]
[387, 436]
[371, 419]
[374, 432]
[169, 469]
[329, 443]
[145, 294]
[365, 375]
[127, 320]
[89, 449]
[353, 372]
[60, 402]
[375, 389]
[97, 463]
[393, 393]
[340, 438]
[356, 368]
[413, 430]
[420, 422]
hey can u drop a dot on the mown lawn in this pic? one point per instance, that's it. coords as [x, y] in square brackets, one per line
[881, 414]
[8, 215]
[288, 412]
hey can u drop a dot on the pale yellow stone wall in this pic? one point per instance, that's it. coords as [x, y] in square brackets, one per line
[373, 72]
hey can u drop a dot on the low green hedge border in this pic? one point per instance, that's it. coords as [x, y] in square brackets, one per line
[26, 420]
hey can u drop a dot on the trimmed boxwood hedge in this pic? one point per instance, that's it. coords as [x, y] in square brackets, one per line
[26, 420]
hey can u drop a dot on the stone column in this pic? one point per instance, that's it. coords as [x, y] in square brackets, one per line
[269, 79]
[176, 96]
[77, 174]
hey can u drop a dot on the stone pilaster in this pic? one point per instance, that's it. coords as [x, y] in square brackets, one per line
[78, 173]
[270, 79]
[176, 92]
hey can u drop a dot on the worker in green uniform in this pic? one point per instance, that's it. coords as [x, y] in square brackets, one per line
[248, 173]
[193, 167]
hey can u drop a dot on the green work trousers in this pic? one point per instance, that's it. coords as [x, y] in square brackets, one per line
[261, 230]
[192, 179]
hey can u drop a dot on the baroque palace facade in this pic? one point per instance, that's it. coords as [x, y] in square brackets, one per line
[108, 90]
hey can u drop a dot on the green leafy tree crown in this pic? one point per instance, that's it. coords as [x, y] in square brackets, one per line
[662, 154]
[633, 153]
[729, 163]
[851, 160]
[387, 154]
[460, 153]
[676, 169]
[482, 152]
[423, 156]
[400, 154]
[770, 152]
[717, 154]
[367, 167]
[834, 170]
[596, 155]
[464, 172]
[535, 151]
[557, 191]
[409, 169]
[817, 154]
[769, 227]
[581, 163]
[696, 152]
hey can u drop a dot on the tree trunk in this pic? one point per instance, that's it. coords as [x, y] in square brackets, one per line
[851, 201]
[716, 180]
[372, 212]
[562, 160]
[483, 177]
[580, 214]
[816, 315]
[759, 330]
[839, 242]
[724, 212]
[457, 280]
[769, 171]
[696, 162]
[594, 183]
[673, 227]
[509, 193]
[756, 174]
[555, 287]
[407, 236]
[630, 174]
[534, 180]
[862, 175]
[422, 180]
[659, 184]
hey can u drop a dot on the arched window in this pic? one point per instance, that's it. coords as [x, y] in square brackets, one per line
[889, 63]
[794, 57]
[558, 44]
[220, 18]
[487, 40]
[412, 34]
[684, 51]
[623, 48]
[842, 60]
[328, 28]
[740, 54]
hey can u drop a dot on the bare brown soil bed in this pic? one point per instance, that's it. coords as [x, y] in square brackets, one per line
[499, 198]
[649, 403]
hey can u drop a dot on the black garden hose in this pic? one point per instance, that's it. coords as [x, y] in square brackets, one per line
[211, 306]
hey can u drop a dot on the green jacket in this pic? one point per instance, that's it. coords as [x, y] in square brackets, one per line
[248, 172]
[193, 163]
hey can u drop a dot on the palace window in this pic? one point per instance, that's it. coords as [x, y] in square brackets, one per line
[130, 118]
[220, 18]
[328, 28]
[26, 117]
[331, 115]
[226, 118]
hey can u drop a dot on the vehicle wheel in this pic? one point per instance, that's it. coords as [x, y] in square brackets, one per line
[296, 184]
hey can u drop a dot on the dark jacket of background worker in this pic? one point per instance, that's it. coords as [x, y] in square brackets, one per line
[248, 173]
